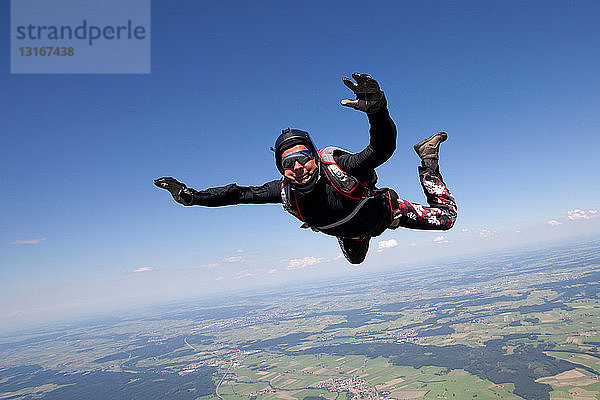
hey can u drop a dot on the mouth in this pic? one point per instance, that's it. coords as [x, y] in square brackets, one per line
[304, 178]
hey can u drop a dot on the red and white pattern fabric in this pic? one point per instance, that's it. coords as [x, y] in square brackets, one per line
[441, 213]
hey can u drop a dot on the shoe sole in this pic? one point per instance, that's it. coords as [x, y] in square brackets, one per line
[443, 138]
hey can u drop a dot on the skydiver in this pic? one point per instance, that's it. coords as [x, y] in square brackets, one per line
[332, 190]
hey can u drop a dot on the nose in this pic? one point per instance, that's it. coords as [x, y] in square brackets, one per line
[297, 165]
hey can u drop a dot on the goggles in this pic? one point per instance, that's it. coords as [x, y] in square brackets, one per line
[302, 156]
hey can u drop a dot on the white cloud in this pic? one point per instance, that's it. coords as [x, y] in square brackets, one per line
[485, 233]
[554, 222]
[219, 278]
[580, 214]
[517, 231]
[13, 314]
[298, 263]
[440, 239]
[240, 250]
[28, 241]
[272, 271]
[143, 269]
[464, 230]
[386, 244]
[338, 256]
[413, 244]
[244, 274]
[211, 265]
[233, 259]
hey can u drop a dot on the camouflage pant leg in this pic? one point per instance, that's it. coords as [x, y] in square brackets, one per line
[441, 213]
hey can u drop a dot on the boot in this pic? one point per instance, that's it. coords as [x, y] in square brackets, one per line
[427, 149]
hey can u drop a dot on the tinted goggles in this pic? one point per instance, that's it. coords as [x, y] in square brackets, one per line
[302, 156]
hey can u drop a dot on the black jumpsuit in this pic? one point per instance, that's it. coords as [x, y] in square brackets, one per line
[324, 204]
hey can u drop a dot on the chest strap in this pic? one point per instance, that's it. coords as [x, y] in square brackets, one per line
[342, 221]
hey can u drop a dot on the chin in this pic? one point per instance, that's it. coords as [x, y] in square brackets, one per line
[305, 179]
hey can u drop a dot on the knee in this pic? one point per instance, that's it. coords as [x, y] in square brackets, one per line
[355, 257]
[448, 222]
[354, 250]
[356, 261]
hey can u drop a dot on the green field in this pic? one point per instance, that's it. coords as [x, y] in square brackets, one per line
[505, 327]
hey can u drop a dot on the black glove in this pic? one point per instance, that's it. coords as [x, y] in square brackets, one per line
[369, 97]
[181, 193]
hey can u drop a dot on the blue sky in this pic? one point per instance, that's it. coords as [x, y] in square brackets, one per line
[515, 85]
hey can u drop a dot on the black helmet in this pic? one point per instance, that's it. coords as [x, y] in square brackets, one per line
[288, 138]
[292, 137]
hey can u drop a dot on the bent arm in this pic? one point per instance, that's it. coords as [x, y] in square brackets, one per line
[381, 146]
[232, 194]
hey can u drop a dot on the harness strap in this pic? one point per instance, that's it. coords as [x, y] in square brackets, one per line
[348, 217]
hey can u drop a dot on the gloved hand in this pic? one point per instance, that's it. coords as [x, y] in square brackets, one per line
[181, 193]
[369, 97]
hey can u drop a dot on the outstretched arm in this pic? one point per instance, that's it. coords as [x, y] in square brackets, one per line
[382, 142]
[231, 194]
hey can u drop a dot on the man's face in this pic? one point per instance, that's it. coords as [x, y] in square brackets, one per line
[298, 172]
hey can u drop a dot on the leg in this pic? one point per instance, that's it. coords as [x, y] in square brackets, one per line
[442, 210]
[355, 250]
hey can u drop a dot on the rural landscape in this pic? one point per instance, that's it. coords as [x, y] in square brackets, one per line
[511, 325]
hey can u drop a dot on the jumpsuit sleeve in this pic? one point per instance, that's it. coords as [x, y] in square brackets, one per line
[382, 144]
[232, 194]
